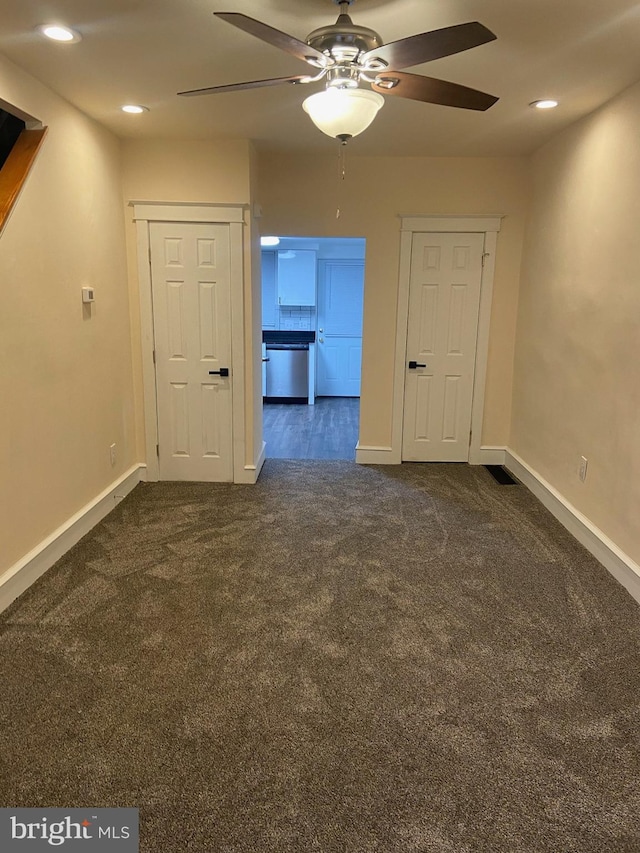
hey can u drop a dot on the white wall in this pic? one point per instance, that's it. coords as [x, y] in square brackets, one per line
[577, 367]
[65, 371]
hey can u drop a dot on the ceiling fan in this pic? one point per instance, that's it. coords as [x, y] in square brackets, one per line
[347, 55]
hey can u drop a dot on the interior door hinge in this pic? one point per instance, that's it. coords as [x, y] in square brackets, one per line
[158, 451]
[154, 356]
[485, 255]
[149, 255]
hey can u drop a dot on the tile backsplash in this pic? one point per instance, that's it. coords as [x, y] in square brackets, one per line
[298, 318]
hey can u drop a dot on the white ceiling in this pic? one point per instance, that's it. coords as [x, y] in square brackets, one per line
[581, 52]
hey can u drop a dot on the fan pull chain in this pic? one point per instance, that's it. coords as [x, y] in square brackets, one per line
[342, 170]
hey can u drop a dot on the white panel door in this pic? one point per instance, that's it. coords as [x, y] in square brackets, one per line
[444, 299]
[339, 336]
[190, 272]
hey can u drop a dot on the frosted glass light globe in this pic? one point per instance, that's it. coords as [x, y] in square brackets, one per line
[343, 113]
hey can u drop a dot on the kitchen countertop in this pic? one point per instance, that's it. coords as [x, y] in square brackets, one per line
[288, 336]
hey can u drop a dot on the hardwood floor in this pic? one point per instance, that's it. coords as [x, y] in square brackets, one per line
[328, 430]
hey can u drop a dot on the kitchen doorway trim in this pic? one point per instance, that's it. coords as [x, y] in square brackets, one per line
[145, 212]
[489, 226]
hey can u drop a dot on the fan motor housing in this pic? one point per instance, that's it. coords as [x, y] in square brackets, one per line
[344, 40]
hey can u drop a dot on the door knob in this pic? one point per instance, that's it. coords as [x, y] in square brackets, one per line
[414, 364]
[224, 371]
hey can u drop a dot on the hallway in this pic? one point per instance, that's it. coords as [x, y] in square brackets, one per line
[327, 430]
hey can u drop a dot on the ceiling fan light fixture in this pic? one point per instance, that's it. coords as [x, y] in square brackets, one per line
[343, 113]
[343, 77]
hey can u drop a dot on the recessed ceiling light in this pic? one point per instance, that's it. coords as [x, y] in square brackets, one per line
[134, 108]
[269, 241]
[57, 32]
[544, 104]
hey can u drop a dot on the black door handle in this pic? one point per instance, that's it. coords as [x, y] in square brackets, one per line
[414, 364]
[224, 371]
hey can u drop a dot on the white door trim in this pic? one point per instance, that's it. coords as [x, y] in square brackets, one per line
[234, 215]
[489, 226]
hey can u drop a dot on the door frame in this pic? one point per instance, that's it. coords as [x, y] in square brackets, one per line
[410, 225]
[145, 212]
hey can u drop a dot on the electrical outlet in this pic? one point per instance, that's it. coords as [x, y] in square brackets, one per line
[582, 470]
[112, 454]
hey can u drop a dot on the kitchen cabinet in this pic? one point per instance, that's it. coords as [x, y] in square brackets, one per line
[297, 277]
[269, 296]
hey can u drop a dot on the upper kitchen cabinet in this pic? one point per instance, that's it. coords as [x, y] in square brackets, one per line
[269, 287]
[297, 277]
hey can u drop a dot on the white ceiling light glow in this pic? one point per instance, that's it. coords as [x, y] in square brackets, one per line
[544, 104]
[56, 32]
[343, 113]
[269, 241]
[135, 109]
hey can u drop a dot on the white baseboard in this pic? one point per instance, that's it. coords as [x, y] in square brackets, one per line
[487, 455]
[34, 564]
[625, 570]
[250, 473]
[369, 455]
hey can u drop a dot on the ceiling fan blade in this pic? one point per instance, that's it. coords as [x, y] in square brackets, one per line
[431, 91]
[285, 42]
[433, 45]
[252, 84]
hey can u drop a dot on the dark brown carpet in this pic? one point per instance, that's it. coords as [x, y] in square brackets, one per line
[341, 659]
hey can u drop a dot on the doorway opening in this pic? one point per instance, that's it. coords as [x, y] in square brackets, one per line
[312, 302]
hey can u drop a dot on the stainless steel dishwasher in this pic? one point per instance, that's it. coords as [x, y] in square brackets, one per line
[287, 371]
